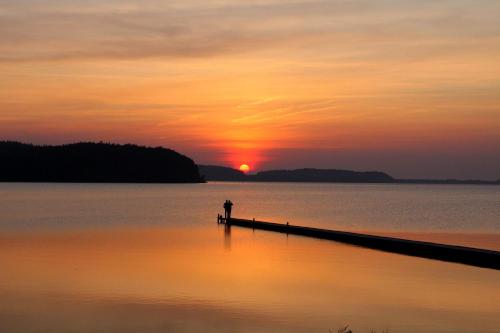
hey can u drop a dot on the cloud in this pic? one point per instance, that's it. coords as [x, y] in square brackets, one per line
[362, 29]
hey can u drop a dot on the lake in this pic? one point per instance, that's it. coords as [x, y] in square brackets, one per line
[151, 258]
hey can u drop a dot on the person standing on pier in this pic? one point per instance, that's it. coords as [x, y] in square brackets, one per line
[228, 205]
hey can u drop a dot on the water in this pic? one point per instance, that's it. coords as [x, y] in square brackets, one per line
[150, 258]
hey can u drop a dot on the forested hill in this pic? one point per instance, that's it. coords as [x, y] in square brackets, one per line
[94, 162]
[323, 175]
[215, 172]
[219, 173]
[211, 172]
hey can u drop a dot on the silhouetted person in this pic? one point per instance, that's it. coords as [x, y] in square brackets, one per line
[228, 205]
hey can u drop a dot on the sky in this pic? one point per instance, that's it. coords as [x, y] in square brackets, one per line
[407, 87]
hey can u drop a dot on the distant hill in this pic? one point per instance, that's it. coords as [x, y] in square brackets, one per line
[300, 175]
[322, 175]
[94, 162]
[214, 172]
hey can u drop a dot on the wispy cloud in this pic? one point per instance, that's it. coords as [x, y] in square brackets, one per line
[89, 30]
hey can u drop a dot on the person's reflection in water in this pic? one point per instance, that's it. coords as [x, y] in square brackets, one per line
[227, 237]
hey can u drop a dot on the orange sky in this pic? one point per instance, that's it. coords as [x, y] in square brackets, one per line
[408, 87]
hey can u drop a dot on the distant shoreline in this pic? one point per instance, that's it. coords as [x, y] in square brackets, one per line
[219, 173]
[412, 182]
[416, 182]
[89, 162]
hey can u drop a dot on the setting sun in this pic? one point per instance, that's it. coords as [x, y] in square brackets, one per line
[245, 168]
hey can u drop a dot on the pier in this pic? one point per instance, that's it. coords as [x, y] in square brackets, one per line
[450, 253]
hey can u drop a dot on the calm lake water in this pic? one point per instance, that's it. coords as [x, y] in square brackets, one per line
[151, 258]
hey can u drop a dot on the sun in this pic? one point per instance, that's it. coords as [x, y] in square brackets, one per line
[245, 168]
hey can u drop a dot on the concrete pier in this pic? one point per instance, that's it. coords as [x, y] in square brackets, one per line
[451, 253]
